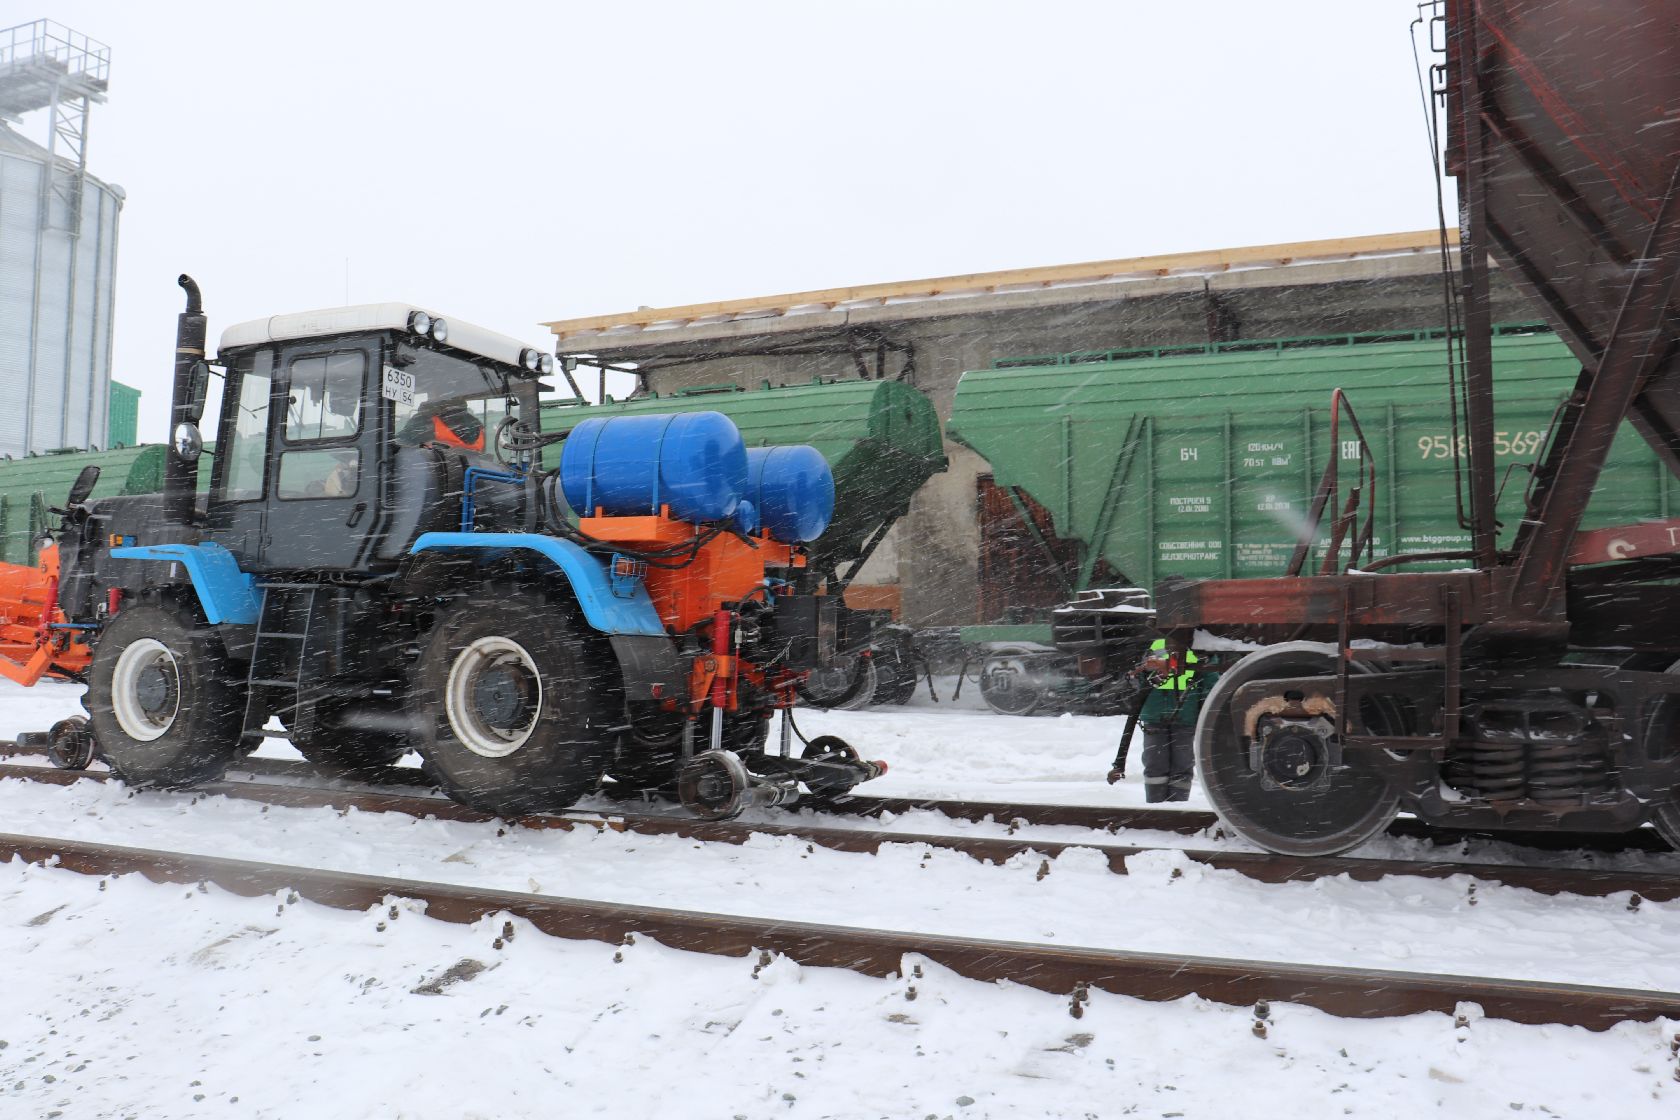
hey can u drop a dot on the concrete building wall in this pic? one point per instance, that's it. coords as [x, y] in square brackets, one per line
[934, 552]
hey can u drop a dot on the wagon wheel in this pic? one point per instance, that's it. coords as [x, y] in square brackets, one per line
[1008, 687]
[1280, 791]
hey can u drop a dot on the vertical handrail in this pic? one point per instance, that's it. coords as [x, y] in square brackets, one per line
[1353, 519]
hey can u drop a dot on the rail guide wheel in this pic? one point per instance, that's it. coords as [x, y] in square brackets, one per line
[1280, 788]
[70, 745]
[713, 785]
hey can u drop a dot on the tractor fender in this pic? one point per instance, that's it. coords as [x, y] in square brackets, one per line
[621, 610]
[227, 594]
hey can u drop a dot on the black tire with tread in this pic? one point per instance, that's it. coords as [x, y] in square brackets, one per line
[205, 734]
[571, 743]
[858, 692]
[895, 667]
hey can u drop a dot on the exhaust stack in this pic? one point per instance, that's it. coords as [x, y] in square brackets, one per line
[180, 473]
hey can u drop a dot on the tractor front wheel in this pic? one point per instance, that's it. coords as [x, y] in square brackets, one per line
[517, 705]
[162, 700]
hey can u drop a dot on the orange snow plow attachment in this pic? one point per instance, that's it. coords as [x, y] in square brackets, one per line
[33, 640]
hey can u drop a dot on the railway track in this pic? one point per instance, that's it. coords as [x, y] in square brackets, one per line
[1358, 993]
[1262, 867]
[1098, 818]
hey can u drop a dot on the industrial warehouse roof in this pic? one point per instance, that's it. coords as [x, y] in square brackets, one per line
[573, 335]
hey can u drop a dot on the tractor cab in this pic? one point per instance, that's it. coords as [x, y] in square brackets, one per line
[344, 434]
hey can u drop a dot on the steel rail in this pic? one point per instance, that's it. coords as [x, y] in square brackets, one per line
[1348, 992]
[1100, 818]
[1259, 866]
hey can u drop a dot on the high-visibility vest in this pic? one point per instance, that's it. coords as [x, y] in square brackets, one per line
[1181, 681]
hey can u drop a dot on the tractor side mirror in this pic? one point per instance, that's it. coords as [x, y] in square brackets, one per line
[189, 444]
[83, 486]
[198, 387]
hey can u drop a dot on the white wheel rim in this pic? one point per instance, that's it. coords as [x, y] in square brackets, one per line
[462, 710]
[134, 661]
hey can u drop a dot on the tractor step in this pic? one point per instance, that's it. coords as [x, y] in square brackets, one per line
[280, 656]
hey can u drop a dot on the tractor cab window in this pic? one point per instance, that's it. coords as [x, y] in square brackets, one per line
[443, 401]
[324, 399]
[245, 445]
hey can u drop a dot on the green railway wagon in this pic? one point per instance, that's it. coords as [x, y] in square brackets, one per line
[31, 485]
[1201, 462]
[882, 440]
[123, 423]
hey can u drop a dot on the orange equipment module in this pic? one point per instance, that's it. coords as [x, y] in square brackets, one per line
[34, 640]
[725, 569]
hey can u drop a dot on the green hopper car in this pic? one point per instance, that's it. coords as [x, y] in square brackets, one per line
[882, 440]
[1201, 462]
[31, 485]
[123, 423]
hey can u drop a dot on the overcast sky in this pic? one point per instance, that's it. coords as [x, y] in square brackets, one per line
[512, 163]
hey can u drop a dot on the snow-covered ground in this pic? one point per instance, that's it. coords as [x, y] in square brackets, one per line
[127, 996]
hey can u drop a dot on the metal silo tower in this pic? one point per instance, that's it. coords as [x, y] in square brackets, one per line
[58, 244]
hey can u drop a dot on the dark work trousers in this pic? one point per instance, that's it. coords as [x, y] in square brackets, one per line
[1168, 761]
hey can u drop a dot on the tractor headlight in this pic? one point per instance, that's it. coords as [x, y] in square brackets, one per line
[420, 323]
[547, 363]
[440, 330]
[528, 359]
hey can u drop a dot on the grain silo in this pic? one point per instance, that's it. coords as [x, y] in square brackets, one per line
[58, 243]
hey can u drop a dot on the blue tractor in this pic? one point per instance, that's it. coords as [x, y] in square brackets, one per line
[380, 562]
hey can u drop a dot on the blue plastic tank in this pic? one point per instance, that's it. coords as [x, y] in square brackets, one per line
[792, 488]
[694, 463]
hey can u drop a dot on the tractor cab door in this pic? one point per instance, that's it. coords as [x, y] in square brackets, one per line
[326, 458]
[238, 504]
[298, 467]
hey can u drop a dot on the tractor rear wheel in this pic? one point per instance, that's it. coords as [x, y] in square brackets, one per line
[518, 707]
[162, 700]
[1281, 790]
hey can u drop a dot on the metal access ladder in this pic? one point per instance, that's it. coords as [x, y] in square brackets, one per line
[280, 662]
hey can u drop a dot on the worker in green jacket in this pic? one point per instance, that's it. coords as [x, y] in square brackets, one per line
[1168, 719]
